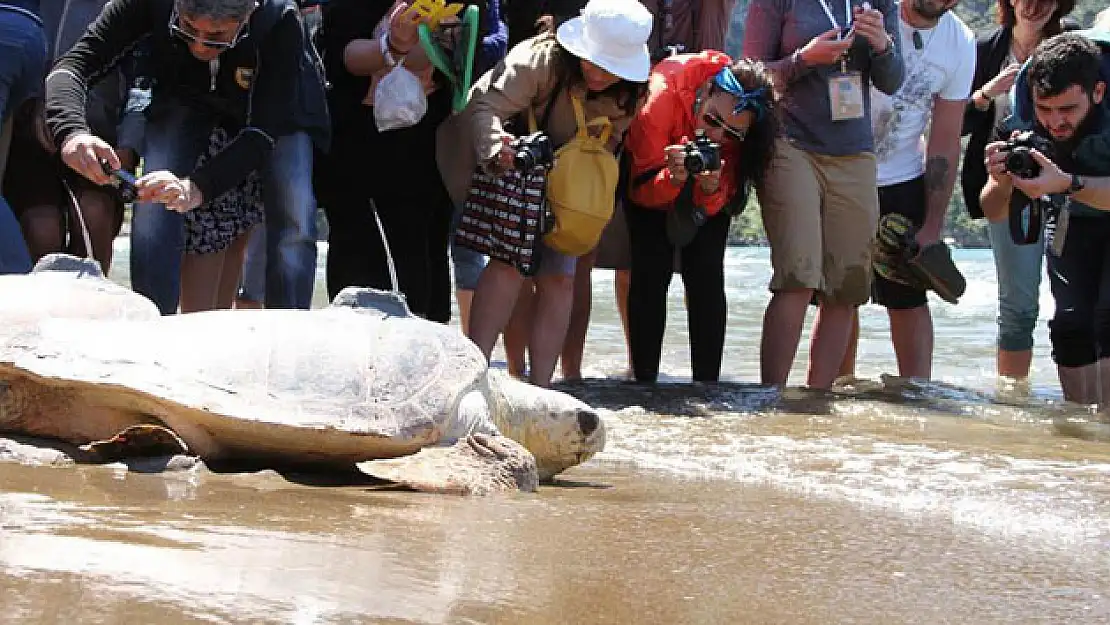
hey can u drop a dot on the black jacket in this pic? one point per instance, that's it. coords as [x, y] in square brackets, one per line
[270, 84]
[991, 51]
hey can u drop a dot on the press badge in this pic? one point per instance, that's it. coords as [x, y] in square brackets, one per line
[846, 95]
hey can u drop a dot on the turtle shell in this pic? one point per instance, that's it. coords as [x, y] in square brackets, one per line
[339, 384]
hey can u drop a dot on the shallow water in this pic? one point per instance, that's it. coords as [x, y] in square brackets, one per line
[956, 501]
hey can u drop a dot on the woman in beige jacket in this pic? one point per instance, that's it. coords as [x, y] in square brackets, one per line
[602, 58]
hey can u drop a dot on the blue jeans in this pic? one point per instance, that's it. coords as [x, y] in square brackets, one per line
[174, 137]
[22, 63]
[1019, 287]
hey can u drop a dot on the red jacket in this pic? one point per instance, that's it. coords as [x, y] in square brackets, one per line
[667, 118]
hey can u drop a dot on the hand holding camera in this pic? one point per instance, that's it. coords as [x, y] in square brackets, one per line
[1025, 161]
[701, 158]
[1018, 156]
[84, 153]
[523, 153]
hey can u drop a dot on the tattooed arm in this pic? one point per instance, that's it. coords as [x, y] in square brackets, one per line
[941, 161]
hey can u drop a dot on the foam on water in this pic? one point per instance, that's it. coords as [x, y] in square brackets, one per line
[1062, 503]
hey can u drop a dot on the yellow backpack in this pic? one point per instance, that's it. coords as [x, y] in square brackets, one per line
[582, 186]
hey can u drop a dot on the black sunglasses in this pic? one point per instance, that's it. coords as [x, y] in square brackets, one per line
[716, 122]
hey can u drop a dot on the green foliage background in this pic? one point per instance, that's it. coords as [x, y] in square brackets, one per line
[980, 16]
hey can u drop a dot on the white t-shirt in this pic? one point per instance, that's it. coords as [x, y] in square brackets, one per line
[943, 68]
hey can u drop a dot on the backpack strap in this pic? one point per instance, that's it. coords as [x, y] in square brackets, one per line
[583, 126]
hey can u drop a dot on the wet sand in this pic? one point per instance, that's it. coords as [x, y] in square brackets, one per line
[609, 544]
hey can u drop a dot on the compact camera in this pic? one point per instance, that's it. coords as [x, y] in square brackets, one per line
[533, 151]
[1019, 157]
[701, 154]
[123, 181]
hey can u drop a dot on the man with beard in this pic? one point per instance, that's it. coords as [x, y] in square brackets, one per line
[1060, 96]
[917, 148]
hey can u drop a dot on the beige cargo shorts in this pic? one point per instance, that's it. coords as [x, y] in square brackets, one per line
[820, 213]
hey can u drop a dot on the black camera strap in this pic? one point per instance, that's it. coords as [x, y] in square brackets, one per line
[1026, 218]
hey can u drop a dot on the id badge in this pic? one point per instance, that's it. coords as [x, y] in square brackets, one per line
[846, 96]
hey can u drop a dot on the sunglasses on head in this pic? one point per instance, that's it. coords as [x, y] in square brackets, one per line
[188, 37]
[715, 121]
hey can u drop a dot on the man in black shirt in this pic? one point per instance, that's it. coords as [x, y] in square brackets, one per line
[247, 65]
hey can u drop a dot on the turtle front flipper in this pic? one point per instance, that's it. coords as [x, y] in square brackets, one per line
[475, 465]
[145, 440]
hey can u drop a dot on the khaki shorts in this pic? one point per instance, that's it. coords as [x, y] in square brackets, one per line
[820, 213]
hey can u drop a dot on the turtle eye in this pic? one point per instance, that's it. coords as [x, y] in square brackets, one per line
[588, 422]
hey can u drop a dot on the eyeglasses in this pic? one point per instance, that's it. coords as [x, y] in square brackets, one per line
[188, 37]
[713, 120]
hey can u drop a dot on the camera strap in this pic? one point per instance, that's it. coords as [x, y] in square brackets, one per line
[1026, 218]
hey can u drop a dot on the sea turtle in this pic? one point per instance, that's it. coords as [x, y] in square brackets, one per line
[361, 381]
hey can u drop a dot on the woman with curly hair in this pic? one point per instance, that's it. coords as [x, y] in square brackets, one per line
[697, 104]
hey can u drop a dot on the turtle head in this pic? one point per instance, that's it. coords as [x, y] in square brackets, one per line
[559, 430]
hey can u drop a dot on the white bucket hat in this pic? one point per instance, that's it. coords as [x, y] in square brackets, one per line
[613, 35]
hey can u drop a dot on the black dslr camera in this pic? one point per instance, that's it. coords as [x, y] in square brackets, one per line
[702, 154]
[1019, 159]
[533, 151]
[123, 181]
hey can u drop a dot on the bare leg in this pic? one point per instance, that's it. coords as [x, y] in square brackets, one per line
[831, 332]
[575, 345]
[911, 330]
[1104, 385]
[494, 298]
[200, 281]
[622, 278]
[554, 300]
[519, 328]
[848, 364]
[229, 274]
[464, 297]
[1015, 364]
[251, 290]
[782, 329]
[1080, 384]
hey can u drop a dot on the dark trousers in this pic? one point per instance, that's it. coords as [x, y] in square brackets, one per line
[1080, 281]
[703, 275]
[417, 236]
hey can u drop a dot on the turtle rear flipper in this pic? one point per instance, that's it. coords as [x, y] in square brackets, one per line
[475, 465]
[145, 440]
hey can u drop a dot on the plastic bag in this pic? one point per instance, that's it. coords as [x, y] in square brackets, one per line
[399, 100]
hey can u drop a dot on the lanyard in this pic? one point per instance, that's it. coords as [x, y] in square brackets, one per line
[832, 18]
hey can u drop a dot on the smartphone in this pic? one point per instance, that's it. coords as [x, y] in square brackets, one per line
[123, 181]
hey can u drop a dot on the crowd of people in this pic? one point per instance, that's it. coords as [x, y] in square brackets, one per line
[224, 124]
